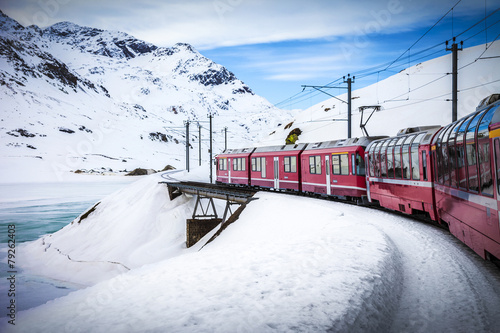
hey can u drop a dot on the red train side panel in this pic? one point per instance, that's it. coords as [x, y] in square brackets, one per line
[233, 166]
[335, 168]
[399, 176]
[277, 167]
[467, 168]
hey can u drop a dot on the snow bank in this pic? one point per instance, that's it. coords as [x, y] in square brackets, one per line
[288, 264]
[134, 226]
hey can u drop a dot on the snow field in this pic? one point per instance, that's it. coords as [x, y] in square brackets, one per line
[288, 263]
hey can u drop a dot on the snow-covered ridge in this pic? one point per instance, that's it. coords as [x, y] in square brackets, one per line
[114, 96]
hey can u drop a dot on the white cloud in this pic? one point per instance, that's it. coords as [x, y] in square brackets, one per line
[213, 23]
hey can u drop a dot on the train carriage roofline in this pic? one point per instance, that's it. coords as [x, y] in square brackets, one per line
[362, 141]
[280, 148]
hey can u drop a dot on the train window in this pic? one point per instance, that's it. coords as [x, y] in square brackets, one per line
[446, 155]
[397, 158]
[222, 164]
[406, 157]
[259, 165]
[460, 151]
[482, 127]
[377, 160]
[452, 151]
[485, 168]
[290, 163]
[424, 164]
[486, 179]
[372, 159]
[315, 165]
[263, 166]
[497, 163]
[353, 164]
[340, 164]
[471, 153]
[255, 164]
[383, 159]
[415, 167]
[239, 164]
[390, 158]
[360, 165]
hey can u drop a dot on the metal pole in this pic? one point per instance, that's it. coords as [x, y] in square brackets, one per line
[349, 103]
[225, 138]
[187, 145]
[210, 149]
[199, 145]
[454, 85]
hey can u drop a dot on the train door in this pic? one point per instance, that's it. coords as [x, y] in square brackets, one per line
[276, 172]
[229, 167]
[327, 171]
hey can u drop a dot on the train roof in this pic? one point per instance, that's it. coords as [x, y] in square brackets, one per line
[423, 134]
[362, 141]
[231, 151]
[290, 147]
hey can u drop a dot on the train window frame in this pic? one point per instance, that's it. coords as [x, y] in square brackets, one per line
[342, 164]
[415, 156]
[405, 156]
[483, 149]
[259, 165]
[371, 158]
[460, 144]
[223, 164]
[290, 164]
[452, 148]
[496, 149]
[239, 164]
[360, 165]
[446, 155]
[390, 149]
[472, 153]
[383, 158]
[424, 165]
[315, 165]
[398, 146]
[256, 167]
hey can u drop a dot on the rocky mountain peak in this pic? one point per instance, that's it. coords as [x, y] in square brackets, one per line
[9, 25]
[97, 41]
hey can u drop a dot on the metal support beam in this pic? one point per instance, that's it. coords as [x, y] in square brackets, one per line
[204, 210]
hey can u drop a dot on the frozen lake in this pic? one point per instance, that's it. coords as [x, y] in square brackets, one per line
[37, 209]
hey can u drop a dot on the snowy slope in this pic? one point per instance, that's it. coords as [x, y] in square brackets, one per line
[417, 96]
[82, 98]
[288, 264]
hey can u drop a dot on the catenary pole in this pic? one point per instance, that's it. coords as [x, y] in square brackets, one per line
[187, 145]
[454, 85]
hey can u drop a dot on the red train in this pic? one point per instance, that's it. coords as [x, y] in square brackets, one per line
[334, 168]
[450, 173]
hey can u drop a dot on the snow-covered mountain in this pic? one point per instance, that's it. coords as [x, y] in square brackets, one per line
[417, 96]
[83, 98]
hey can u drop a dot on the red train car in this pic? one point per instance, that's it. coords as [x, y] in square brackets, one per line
[336, 168]
[277, 167]
[233, 166]
[399, 176]
[466, 156]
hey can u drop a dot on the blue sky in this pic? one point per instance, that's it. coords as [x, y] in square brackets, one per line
[275, 46]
